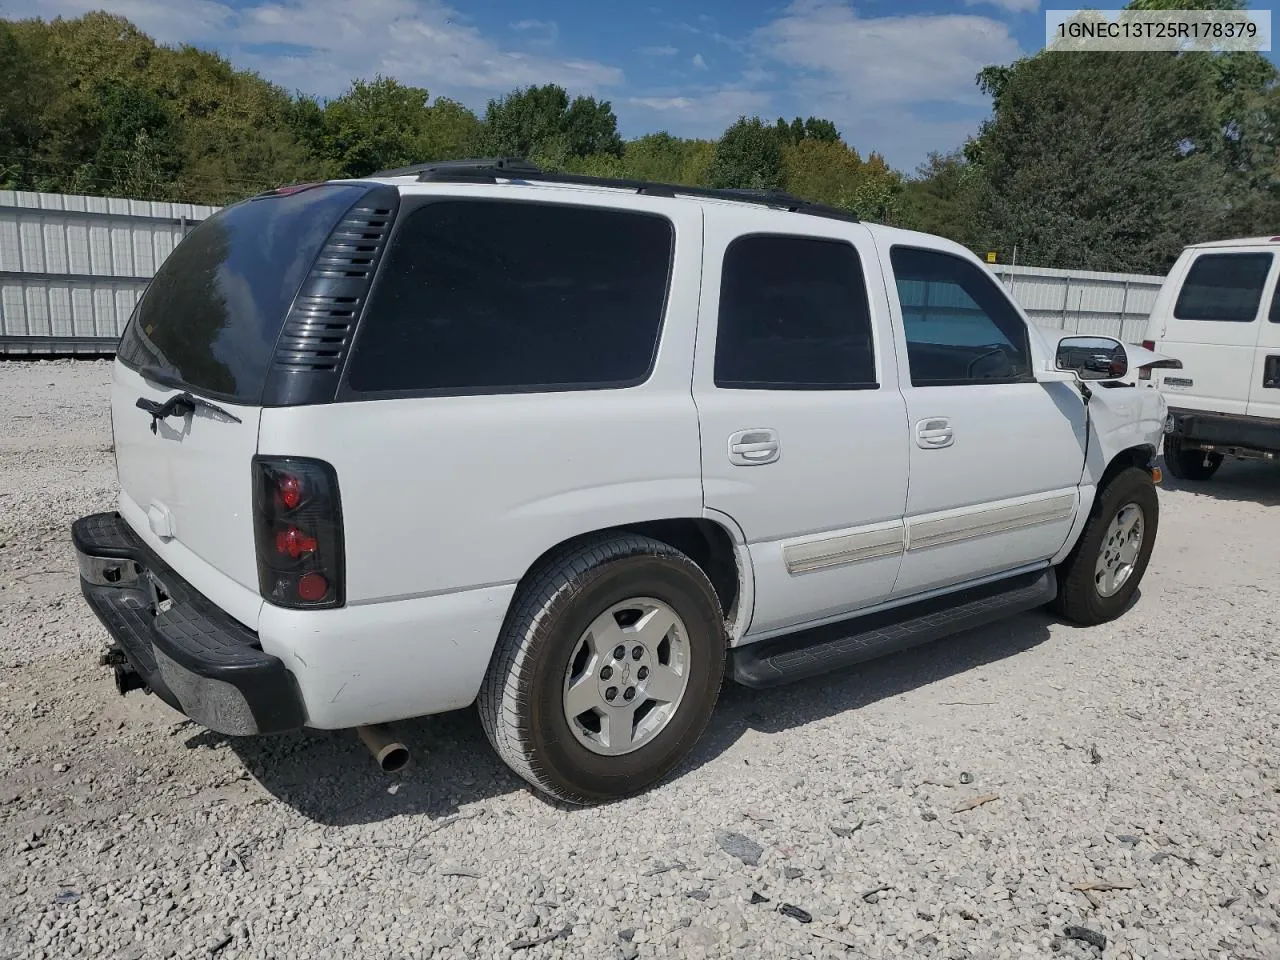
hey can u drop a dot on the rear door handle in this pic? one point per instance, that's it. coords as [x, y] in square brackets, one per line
[751, 448]
[934, 433]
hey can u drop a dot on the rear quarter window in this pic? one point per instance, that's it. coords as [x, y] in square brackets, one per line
[495, 296]
[211, 316]
[1224, 287]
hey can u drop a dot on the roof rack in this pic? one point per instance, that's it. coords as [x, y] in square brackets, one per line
[491, 170]
[485, 170]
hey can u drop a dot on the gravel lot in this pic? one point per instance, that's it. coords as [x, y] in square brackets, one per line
[1142, 754]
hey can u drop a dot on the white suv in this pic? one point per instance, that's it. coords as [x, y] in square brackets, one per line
[570, 449]
[1218, 312]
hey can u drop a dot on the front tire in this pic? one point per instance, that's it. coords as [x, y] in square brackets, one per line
[1188, 463]
[607, 669]
[1098, 579]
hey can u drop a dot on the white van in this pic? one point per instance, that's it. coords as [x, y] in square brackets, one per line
[1218, 313]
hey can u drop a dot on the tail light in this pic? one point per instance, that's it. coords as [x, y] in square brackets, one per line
[298, 531]
[1145, 372]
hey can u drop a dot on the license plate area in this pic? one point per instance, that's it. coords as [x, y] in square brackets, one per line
[157, 594]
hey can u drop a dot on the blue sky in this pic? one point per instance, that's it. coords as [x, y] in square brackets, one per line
[896, 76]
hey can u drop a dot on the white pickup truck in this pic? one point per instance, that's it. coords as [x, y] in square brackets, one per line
[572, 449]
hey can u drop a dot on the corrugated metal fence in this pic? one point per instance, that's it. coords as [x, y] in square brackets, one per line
[72, 269]
[1080, 301]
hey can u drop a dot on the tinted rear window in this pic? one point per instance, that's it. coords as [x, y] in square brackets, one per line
[211, 316]
[1224, 286]
[480, 296]
[793, 316]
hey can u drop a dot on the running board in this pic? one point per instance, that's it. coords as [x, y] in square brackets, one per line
[820, 650]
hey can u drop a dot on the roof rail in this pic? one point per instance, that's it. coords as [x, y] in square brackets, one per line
[487, 169]
[517, 168]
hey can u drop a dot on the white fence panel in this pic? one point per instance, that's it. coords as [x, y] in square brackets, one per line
[72, 269]
[1082, 301]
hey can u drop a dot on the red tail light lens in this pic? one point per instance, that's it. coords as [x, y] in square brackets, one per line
[289, 490]
[298, 531]
[293, 543]
[313, 587]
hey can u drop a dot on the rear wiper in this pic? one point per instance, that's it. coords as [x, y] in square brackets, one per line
[179, 404]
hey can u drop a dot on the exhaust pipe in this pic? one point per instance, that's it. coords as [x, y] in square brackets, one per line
[391, 754]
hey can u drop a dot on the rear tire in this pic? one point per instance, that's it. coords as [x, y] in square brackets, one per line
[1099, 577]
[1189, 463]
[563, 711]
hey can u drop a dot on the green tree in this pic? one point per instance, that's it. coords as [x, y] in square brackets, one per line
[821, 170]
[814, 128]
[451, 131]
[137, 150]
[25, 90]
[1102, 161]
[748, 157]
[878, 193]
[120, 112]
[236, 132]
[943, 198]
[543, 124]
[667, 159]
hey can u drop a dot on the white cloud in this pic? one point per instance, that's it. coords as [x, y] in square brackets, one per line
[877, 60]
[421, 42]
[166, 22]
[663, 51]
[701, 113]
[698, 62]
[546, 31]
[1013, 6]
[662, 103]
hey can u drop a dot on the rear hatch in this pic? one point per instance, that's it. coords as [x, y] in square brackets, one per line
[207, 327]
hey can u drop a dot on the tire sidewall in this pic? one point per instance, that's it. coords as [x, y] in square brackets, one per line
[1187, 464]
[677, 582]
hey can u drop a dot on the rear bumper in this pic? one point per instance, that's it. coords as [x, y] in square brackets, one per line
[1222, 431]
[187, 651]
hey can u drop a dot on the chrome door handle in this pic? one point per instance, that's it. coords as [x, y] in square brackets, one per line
[751, 448]
[934, 433]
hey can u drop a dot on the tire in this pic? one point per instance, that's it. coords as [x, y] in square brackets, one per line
[1189, 464]
[1083, 595]
[562, 610]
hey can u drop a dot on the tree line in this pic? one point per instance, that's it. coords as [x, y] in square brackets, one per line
[1106, 161]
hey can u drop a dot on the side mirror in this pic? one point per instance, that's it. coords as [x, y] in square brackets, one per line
[1093, 358]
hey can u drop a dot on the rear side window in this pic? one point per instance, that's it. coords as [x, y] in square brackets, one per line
[793, 316]
[211, 316]
[960, 326]
[479, 296]
[1226, 287]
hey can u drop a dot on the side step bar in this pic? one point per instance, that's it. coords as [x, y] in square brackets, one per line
[820, 650]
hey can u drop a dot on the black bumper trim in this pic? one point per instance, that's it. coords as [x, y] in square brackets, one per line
[189, 652]
[1227, 430]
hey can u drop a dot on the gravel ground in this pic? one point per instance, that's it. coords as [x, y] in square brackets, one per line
[947, 802]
